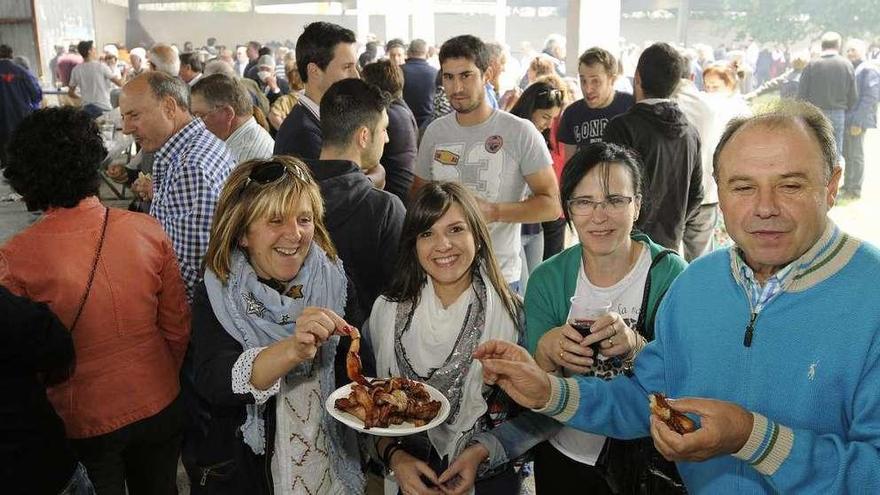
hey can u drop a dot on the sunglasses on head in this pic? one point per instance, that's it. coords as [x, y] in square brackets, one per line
[552, 94]
[271, 172]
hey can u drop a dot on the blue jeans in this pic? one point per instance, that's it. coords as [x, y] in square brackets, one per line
[79, 483]
[532, 255]
[837, 118]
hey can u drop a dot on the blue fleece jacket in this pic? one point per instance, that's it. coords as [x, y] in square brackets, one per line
[811, 375]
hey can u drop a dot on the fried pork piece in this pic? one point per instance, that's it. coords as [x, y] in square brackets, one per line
[390, 401]
[675, 420]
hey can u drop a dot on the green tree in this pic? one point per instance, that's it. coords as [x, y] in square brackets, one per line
[794, 20]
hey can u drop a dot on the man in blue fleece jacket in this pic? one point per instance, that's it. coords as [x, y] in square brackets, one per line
[774, 341]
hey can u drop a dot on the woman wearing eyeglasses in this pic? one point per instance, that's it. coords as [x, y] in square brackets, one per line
[264, 340]
[449, 296]
[601, 196]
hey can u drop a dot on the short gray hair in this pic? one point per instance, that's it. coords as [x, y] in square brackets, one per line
[858, 46]
[164, 58]
[786, 112]
[219, 89]
[418, 48]
[218, 67]
[830, 41]
[162, 85]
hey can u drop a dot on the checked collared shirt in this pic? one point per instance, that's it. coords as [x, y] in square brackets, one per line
[188, 174]
[760, 294]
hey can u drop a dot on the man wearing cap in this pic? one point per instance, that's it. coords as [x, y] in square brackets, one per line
[269, 83]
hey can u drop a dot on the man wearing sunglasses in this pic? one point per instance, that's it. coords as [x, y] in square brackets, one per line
[364, 222]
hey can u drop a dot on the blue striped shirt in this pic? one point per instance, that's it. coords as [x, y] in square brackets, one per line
[188, 174]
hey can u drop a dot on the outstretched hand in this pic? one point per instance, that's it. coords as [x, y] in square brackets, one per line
[512, 368]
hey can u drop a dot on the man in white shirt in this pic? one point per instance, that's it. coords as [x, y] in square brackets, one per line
[225, 107]
[93, 80]
[492, 153]
[190, 68]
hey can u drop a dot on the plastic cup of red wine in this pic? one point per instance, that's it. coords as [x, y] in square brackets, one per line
[583, 313]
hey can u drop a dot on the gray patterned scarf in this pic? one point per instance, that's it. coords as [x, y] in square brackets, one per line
[257, 315]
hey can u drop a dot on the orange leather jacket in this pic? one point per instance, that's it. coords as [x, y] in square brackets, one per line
[132, 336]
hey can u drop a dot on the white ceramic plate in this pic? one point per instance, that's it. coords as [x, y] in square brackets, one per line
[393, 430]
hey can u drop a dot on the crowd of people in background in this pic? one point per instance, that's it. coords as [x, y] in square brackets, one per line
[457, 204]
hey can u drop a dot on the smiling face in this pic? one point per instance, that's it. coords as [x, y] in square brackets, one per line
[447, 250]
[543, 117]
[464, 84]
[773, 193]
[277, 247]
[606, 229]
[597, 85]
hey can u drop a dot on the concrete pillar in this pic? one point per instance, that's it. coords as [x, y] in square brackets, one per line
[684, 14]
[423, 21]
[363, 20]
[396, 20]
[500, 20]
[591, 23]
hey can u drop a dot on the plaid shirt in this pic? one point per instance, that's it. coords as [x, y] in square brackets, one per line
[188, 173]
[760, 294]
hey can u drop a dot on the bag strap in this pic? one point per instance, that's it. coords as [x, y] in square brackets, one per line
[85, 296]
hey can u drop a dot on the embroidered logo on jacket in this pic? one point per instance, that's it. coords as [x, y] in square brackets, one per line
[446, 157]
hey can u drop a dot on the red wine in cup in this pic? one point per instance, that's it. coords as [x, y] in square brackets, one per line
[583, 328]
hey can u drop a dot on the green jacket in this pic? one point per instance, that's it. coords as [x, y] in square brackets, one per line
[553, 283]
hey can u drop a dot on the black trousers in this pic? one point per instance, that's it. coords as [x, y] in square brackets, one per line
[554, 236]
[557, 473]
[142, 455]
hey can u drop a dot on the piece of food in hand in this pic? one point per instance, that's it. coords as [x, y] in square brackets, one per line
[353, 359]
[392, 401]
[675, 420]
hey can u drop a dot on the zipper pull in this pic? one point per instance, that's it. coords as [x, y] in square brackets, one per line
[750, 331]
[204, 480]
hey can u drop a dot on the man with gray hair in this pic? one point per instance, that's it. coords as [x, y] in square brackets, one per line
[859, 118]
[225, 107]
[774, 343]
[257, 97]
[189, 166]
[419, 82]
[829, 83]
[163, 58]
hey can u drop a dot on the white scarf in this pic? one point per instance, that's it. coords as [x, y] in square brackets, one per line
[432, 335]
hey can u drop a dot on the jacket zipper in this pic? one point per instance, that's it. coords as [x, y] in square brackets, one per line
[750, 330]
[753, 315]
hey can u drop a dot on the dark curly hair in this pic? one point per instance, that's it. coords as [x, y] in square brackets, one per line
[53, 158]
